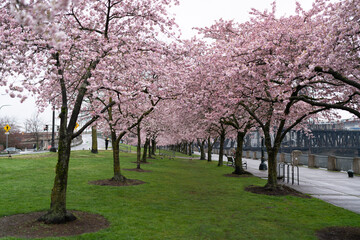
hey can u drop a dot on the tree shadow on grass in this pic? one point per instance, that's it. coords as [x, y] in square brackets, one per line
[338, 233]
[111, 182]
[137, 170]
[245, 174]
[27, 226]
[282, 190]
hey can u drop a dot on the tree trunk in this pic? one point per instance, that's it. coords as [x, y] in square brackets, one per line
[153, 145]
[221, 150]
[145, 150]
[272, 171]
[184, 147]
[202, 149]
[116, 159]
[94, 148]
[190, 149]
[116, 150]
[138, 150]
[149, 148]
[209, 149]
[238, 154]
[58, 213]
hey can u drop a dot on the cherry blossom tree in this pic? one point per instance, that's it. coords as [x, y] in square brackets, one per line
[131, 107]
[263, 58]
[146, 78]
[67, 57]
[334, 55]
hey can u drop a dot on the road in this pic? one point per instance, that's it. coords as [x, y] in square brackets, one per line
[87, 142]
[86, 145]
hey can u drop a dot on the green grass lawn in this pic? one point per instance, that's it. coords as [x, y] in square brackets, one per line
[130, 148]
[182, 199]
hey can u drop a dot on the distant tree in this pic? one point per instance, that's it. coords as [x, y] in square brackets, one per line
[34, 125]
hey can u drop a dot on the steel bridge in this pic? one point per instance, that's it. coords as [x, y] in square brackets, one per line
[316, 141]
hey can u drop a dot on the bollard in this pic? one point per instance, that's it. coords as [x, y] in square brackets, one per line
[356, 165]
[282, 157]
[295, 157]
[331, 163]
[311, 161]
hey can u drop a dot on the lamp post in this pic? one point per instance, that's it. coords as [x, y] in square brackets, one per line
[53, 148]
[6, 133]
[4, 106]
[7, 140]
[263, 165]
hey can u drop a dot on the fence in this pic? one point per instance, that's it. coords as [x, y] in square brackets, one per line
[333, 163]
[124, 148]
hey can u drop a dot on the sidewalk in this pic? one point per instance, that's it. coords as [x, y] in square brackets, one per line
[333, 187]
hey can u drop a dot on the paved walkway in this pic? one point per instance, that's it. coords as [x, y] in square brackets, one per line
[333, 187]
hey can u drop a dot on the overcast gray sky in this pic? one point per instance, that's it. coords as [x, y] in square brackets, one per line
[190, 13]
[201, 13]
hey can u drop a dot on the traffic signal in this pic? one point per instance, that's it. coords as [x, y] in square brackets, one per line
[46, 127]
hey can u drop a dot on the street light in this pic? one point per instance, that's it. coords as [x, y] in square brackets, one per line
[6, 133]
[7, 139]
[4, 106]
[263, 165]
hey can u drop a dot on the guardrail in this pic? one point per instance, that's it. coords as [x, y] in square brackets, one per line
[332, 163]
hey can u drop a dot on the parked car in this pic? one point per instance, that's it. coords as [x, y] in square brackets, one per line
[11, 150]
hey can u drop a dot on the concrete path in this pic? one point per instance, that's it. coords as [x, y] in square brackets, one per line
[333, 187]
[336, 188]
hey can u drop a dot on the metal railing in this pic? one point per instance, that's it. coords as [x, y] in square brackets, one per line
[318, 161]
[287, 172]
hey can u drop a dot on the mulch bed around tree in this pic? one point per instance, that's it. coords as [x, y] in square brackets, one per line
[110, 182]
[281, 191]
[143, 162]
[246, 174]
[27, 226]
[338, 233]
[137, 170]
